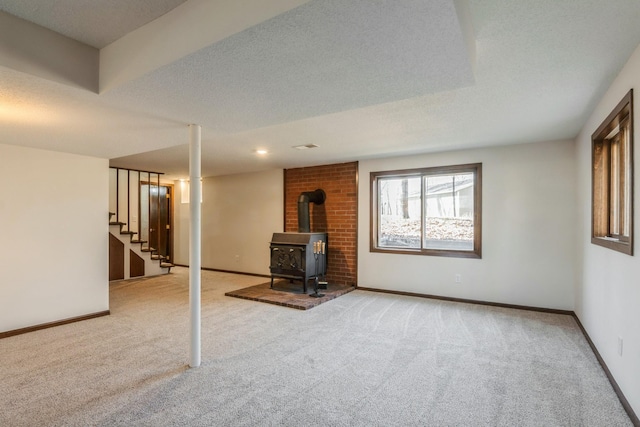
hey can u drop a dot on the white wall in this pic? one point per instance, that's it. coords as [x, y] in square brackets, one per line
[54, 233]
[239, 215]
[608, 294]
[180, 225]
[528, 226]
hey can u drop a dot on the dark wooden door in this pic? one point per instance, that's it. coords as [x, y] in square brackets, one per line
[160, 220]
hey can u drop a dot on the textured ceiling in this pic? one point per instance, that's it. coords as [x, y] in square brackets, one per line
[323, 57]
[360, 79]
[93, 22]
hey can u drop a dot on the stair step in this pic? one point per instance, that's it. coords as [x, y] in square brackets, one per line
[139, 241]
[128, 232]
[166, 265]
[117, 223]
[160, 257]
[148, 249]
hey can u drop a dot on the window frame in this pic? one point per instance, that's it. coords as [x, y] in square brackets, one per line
[374, 211]
[611, 210]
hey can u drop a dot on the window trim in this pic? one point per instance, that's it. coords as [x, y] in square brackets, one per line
[601, 204]
[475, 168]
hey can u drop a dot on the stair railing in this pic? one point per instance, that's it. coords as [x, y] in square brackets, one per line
[125, 198]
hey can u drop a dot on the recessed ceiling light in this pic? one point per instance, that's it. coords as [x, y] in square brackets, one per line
[305, 146]
[261, 152]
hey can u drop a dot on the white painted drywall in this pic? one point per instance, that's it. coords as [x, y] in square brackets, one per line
[608, 292]
[180, 224]
[32, 49]
[164, 40]
[54, 253]
[528, 242]
[239, 215]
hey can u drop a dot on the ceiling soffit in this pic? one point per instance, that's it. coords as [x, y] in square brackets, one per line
[95, 23]
[323, 57]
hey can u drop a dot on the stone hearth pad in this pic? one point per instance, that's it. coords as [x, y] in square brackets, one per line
[290, 294]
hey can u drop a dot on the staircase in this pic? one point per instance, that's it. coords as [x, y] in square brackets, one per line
[135, 195]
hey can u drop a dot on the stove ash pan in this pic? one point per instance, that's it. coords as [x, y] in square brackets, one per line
[292, 256]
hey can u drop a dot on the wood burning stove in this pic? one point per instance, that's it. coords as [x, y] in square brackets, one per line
[298, 256]
[302, 255]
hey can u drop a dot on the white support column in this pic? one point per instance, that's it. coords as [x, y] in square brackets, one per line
[195, 228]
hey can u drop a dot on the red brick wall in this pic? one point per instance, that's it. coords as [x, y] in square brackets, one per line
[338, 216]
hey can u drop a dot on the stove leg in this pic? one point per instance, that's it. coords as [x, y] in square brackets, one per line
[271, 282]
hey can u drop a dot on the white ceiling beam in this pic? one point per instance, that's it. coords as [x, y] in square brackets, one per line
[188, 28]
[40, 52]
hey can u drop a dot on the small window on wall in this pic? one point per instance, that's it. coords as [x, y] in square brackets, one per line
[432, 211]
[612, 179]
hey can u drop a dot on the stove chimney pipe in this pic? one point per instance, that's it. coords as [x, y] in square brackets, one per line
[317, 197]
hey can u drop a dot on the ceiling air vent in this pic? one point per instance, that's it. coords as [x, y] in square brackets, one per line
[305, 147]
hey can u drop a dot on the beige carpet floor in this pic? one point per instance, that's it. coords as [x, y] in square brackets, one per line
[364, 359]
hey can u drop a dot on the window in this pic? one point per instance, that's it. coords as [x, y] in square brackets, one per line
[432, 211]
[612, 179]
